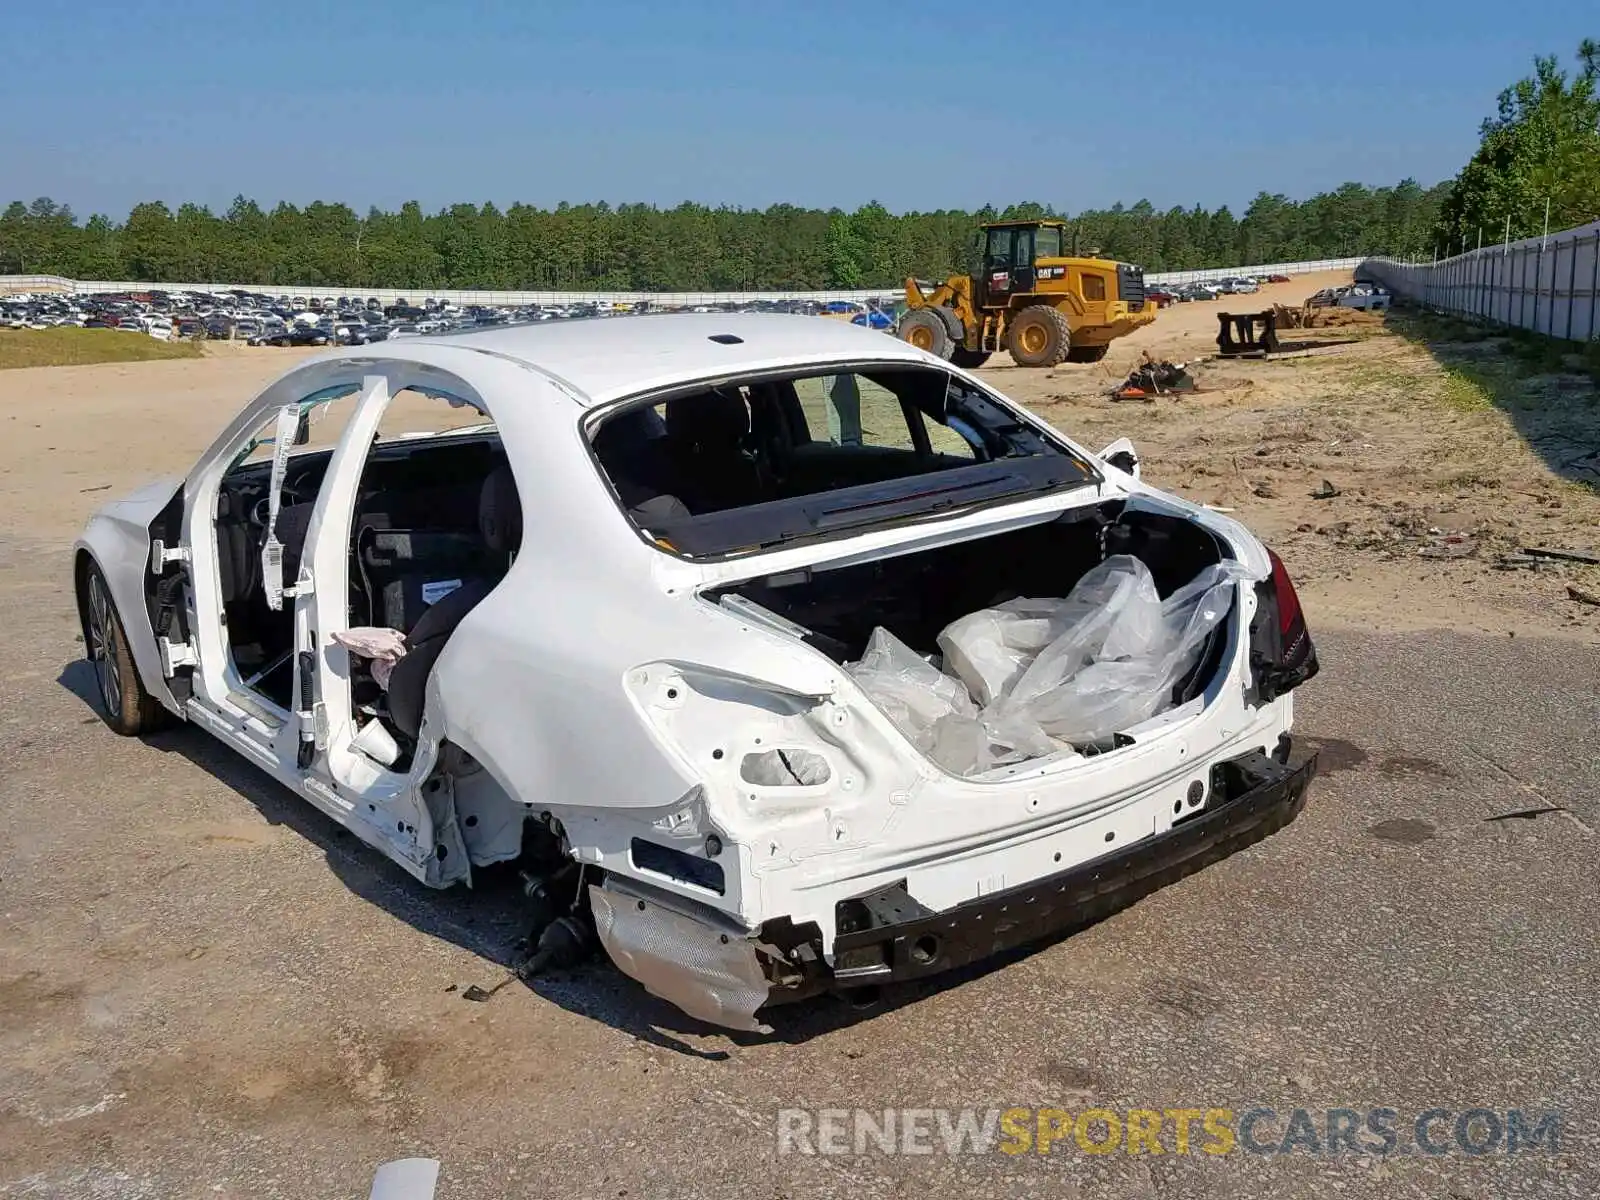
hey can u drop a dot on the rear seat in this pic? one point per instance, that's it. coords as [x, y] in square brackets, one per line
[499, 535]
[413, 546]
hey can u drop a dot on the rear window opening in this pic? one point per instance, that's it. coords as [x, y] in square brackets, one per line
[929, 604]
[749, 464]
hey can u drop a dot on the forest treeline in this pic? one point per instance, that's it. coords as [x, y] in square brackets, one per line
[687, 248]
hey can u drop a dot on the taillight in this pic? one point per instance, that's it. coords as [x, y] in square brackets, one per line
[1281, 653]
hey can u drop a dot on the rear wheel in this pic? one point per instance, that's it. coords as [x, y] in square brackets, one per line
[925, 329]
[1086, 354]
[129, 709]
[969, 360]
[1039, 337]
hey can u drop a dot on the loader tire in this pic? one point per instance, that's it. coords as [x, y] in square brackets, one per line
[925, 329]
[1086, 354]
[952, 324]
[1039, 337]
[968, 360]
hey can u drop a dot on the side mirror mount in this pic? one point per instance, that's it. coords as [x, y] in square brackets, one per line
[1121, 455]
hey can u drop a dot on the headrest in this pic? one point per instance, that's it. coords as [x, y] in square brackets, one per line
[712, 419]
[627, 434]
[500, 511]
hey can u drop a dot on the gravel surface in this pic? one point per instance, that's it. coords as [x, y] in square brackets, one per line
[208, 989]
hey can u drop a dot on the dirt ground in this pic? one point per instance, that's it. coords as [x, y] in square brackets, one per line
[208, 989]
[1445, 461]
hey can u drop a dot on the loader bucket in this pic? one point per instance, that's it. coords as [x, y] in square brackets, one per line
[1247, 333]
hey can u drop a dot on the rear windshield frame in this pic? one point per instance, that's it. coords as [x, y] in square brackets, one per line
[1061, 467]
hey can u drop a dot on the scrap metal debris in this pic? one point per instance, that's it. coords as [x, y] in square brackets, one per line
[1521, 562]
[1583, 595]
[1449, 545]
[1151, 379]
[564, 941]
[1577, 556]
[1326, 490]
[1527, 814]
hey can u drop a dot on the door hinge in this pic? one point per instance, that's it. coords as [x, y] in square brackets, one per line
[162, 556]
[175, 655]
[304, 585]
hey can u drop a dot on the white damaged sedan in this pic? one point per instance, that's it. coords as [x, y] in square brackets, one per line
[783, 656]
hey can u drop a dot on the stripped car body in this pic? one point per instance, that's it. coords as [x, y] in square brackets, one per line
[606, 694]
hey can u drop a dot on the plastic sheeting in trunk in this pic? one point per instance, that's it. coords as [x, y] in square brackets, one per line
[1031, 677]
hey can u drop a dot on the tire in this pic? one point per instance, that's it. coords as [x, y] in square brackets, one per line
[953, 325]
[1039, 336]
[1086, 354]
[968, 360]
[925, 329]
[128, 708]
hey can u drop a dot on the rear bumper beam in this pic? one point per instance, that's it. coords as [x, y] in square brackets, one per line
[1251, 797]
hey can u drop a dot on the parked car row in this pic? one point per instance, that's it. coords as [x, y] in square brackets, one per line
[298, 320]
[1210, 289]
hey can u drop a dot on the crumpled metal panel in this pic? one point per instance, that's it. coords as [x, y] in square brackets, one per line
[709, 974]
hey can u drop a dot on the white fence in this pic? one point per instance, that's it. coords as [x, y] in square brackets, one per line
[56, 283]
[1547, 285]
[1294, 268]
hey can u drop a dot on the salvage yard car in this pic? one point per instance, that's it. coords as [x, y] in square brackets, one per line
[1369, 297]
[782, 656]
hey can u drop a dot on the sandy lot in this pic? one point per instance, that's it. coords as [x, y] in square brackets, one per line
[1366, 410]
[1436, 482]
[209, 990]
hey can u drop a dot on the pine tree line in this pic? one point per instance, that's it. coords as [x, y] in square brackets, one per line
[692, 247]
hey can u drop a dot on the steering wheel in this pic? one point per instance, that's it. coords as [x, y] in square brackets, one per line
[289, 494]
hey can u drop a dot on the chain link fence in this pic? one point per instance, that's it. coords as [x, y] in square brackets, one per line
[1548, 285]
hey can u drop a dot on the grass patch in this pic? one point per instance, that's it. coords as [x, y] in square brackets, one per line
[72, 347]
[1464, 391]
[1360, 376]
[1418, 325]
[1532, 353]
[1591, 360]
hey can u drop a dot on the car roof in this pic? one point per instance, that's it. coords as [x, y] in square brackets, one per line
[608, 358]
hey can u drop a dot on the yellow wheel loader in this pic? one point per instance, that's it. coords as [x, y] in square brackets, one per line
[1026, 296]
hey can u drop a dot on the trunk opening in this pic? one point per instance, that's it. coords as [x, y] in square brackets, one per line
[916, 596]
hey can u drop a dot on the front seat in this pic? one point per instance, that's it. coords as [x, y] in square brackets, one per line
[706, 439]
[500, 525]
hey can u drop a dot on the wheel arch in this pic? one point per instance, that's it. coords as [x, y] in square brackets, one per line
[121, 555]
[82, 560]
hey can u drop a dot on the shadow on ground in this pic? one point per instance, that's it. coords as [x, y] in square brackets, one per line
[1549, 388]
[490, 920]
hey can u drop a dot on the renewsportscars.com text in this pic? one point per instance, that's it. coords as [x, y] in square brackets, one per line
[1258, 1129]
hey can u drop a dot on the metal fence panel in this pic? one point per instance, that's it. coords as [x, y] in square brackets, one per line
[1546, 285]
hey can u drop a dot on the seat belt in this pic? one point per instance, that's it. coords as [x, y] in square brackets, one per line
[271, 548]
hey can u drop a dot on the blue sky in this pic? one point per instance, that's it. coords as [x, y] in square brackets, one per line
[930, 104]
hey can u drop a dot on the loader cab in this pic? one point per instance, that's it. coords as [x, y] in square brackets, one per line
[1009, 253]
